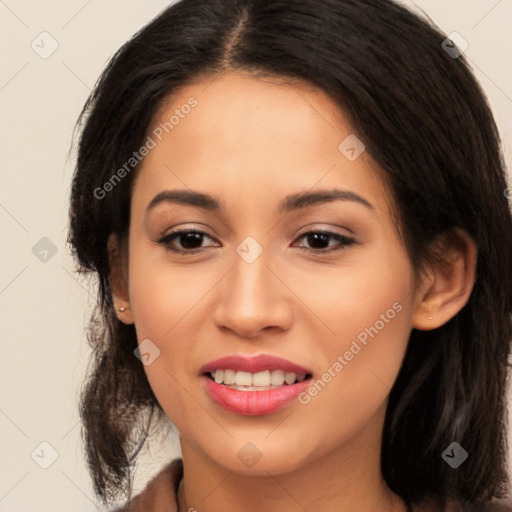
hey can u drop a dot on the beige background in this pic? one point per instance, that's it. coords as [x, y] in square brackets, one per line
[43, 306]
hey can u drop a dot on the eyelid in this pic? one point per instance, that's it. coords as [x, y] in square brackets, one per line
[344, 241]
[175, 233]
[183, 229]
[326, 230]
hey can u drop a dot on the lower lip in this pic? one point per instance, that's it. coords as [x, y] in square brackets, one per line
[254, 403]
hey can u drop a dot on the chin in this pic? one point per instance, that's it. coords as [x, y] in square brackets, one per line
[260, 456]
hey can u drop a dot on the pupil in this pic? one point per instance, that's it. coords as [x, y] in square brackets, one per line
[189, 239]
[315, 237]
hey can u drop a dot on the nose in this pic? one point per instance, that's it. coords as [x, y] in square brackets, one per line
[253, 298]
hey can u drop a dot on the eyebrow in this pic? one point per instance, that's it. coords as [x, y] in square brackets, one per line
[290, 202]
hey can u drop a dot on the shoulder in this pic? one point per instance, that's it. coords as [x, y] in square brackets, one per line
[159, 493]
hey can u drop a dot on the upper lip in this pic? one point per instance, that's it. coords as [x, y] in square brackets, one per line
[253, 364]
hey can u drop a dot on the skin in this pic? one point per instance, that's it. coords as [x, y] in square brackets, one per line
[250, 142]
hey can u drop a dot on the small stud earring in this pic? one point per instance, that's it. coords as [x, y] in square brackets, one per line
[122, 309]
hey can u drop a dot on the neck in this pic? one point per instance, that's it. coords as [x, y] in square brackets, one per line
[345, 479]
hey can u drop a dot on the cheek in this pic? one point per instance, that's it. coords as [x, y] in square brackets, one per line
[161, 297]
[162, 293]
[351, 296]
[368, 312]
[350, 392]
[160, 307]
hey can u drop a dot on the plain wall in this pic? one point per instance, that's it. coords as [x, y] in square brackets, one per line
[44, 307]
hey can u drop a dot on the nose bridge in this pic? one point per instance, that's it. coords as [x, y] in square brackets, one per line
[251, 297]
[250, 275]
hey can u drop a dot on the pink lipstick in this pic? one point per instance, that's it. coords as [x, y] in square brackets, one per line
[254, 385]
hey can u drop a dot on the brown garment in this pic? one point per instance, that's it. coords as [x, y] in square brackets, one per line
[160, 495]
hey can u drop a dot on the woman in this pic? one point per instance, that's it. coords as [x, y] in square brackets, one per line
[297, 214]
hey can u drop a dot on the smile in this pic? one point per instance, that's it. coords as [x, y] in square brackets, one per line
[260, 381]
[254, 385]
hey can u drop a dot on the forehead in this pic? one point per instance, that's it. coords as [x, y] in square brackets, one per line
[244, 113]
[254, 137]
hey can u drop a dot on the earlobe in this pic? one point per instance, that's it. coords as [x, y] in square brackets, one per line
[448, 286]
[118, 279]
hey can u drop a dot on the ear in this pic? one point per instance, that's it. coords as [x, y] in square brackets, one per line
[447, 286]
[118, 278]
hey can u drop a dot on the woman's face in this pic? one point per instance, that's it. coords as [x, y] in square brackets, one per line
[336, 307]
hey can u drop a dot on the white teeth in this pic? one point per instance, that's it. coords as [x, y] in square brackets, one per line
[277, 378]
[261, 380]
[289, 378]
[243, 379]
[229, 377]
[219, 376]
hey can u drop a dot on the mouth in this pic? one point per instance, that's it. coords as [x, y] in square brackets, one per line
[254, 385]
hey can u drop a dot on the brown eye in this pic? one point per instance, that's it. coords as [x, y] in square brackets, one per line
[319, 241]
[188, 241]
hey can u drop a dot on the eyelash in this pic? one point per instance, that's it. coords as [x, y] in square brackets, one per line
[345, 241]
